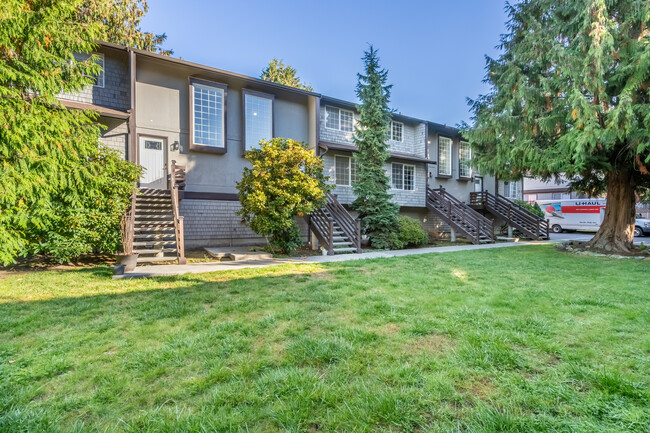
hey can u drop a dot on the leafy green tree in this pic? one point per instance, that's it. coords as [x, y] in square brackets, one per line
[571, 94]
[279, 73]
[286, 180]
[378, 214]
[119, 23]
[90, 224]
[48, 155]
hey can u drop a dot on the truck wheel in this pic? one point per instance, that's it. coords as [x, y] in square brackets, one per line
[556, 228]
[638, 232]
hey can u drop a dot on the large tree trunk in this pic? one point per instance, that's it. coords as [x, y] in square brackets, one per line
[616, 234]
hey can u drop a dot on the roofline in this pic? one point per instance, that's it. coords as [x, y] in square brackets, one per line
[208, 69]
[435, 126]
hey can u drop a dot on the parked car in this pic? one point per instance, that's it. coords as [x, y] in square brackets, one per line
[641, 227]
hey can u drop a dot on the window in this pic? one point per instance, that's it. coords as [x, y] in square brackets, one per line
[444, 156]
[336, 118]
[98, 80]
[510, 189]
[396, 131]
[403, 176]
[208, 116]
[464, 158]
[346, 170]
[259, 118]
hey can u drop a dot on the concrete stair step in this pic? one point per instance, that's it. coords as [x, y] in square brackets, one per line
[155, 250]
[344, 250]
[157, 259]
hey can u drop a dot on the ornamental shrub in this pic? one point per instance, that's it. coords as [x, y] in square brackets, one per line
[534, 208]
[410, 233]
[286, 180]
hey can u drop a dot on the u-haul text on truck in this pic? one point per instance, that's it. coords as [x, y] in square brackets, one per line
[575, 214]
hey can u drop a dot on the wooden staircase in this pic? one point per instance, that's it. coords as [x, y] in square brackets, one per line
[155, 222]
[158, 230]
[335, 228]
[531, 225]
[459, 216]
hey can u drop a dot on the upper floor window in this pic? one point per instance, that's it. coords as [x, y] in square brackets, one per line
[259, 118]
[208, 102]
[337, 118]
[346, 170]
[444, 156]
[464, 160]
[396, 131]
[510, 189]
[98, 80]
[403, 176]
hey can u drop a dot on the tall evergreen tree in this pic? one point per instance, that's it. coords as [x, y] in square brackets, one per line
[378, 214]
[49, 157]
[119, 23]
[280, 73]
[571, 94]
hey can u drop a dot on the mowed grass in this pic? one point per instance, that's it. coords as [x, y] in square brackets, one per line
[522, 339]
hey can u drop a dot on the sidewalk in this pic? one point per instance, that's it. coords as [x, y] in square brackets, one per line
[197, 268]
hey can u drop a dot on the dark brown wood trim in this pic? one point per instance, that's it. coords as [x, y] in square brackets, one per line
[318, 101]
[198, 195]
[427, 156]
[133, 140]
[201, 147]
[259, 94]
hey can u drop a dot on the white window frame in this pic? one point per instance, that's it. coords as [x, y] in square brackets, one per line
[392, 171]
[392, 131]
[339, 121]
[271, 98]
[449, 146]
[101, 61]
[460, 160]
[507, 189]
[222, 146]
[352, 173]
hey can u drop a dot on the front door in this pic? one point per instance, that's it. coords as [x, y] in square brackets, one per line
[153, 160]
[478, 184]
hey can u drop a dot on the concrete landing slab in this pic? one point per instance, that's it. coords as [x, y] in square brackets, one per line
[238, 253]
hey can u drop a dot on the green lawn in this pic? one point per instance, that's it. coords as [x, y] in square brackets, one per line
[516, 340]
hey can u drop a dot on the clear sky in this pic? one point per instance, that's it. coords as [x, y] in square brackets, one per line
[434, 50]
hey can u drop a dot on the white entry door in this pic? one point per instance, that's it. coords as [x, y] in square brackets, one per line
[478, 184]
[152, 159]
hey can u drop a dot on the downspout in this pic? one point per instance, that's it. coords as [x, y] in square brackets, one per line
[132, 153]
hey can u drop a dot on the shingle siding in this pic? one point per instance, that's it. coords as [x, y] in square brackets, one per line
[216, 223]
[346, 195]
[117, 135]
[115, 93]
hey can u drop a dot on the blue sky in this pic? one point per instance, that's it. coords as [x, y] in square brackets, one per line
[434, 50]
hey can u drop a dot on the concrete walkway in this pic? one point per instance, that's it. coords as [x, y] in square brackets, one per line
[197, 268]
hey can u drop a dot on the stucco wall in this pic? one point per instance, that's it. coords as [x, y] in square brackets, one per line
[163, 110]
[459, 188]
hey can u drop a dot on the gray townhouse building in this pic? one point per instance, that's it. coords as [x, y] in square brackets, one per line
[189, 126]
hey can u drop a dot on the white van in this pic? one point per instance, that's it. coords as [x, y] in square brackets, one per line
[574, 214]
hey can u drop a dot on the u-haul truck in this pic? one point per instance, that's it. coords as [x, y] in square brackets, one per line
[574, 214]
